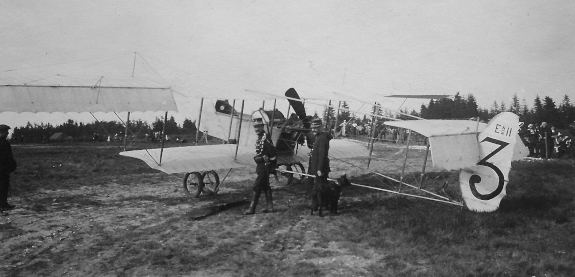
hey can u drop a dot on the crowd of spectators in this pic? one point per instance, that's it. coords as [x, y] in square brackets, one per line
[546, 141]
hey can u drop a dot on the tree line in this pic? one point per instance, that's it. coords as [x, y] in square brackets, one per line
[79, 131]
[460, 107]
[560, 116]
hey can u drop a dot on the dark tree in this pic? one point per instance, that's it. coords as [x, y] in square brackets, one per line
[344, 115]
[494, 110]
[189, 127]
[472, 108]
[515, 106]
[424, 112]
[566, 112]
[550, 113]
[537, 110]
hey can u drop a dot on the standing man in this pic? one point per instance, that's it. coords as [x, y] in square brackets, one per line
[532, 140]
[265, 164]
[319, 161]
[7, 166]
[343, 126]
[545, 142]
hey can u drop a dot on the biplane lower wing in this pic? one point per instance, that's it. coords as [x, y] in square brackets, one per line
[194, 158]
[221, 156]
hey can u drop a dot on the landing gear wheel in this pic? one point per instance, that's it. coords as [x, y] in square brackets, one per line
[289, 177]
[192, 182]
[211, 181]
[283, 177]
[298, 167]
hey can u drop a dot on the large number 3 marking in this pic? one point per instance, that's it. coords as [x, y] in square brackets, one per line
[474, 179]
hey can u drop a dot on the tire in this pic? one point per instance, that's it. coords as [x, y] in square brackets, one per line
[192, 182]
[284, 178]
[298, 167]
[211, 182]
[289, 177]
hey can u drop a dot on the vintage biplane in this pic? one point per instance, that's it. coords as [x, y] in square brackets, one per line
[483, 152]
[290, 135]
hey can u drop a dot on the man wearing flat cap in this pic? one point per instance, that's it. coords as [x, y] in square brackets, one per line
[7, 166]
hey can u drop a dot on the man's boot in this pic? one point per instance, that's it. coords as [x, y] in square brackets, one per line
[253, 205]
[269, 202]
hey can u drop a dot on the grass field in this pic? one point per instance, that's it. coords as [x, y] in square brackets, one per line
[84, 210]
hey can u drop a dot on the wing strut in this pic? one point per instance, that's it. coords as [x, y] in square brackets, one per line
[372, 139]
[271, 126]
[424, 162]
[404, 160]
[326, 118]
[336, 119]
[163, 136]
[232, 119]
[126, 133]
[239, 131]
[199, 120]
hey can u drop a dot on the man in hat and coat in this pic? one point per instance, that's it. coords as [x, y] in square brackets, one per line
[7, 166]
[265, 165]
[319, 161]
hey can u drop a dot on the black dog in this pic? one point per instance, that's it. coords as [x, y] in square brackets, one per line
[327, 195]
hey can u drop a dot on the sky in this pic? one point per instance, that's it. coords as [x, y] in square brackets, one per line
[365, 49]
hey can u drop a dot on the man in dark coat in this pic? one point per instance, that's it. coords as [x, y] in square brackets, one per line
[319, 163]
[532, 139]
[545, 141]
[265, 165]
[7, 166]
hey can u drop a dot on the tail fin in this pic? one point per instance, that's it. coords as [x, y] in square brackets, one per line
[484, 185]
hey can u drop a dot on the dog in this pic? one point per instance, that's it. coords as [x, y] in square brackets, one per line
[327, 195]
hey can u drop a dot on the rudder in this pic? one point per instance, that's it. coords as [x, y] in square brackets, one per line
[483, 186]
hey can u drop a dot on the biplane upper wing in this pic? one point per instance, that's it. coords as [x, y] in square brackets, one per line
[74, 94]
[419, 96]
